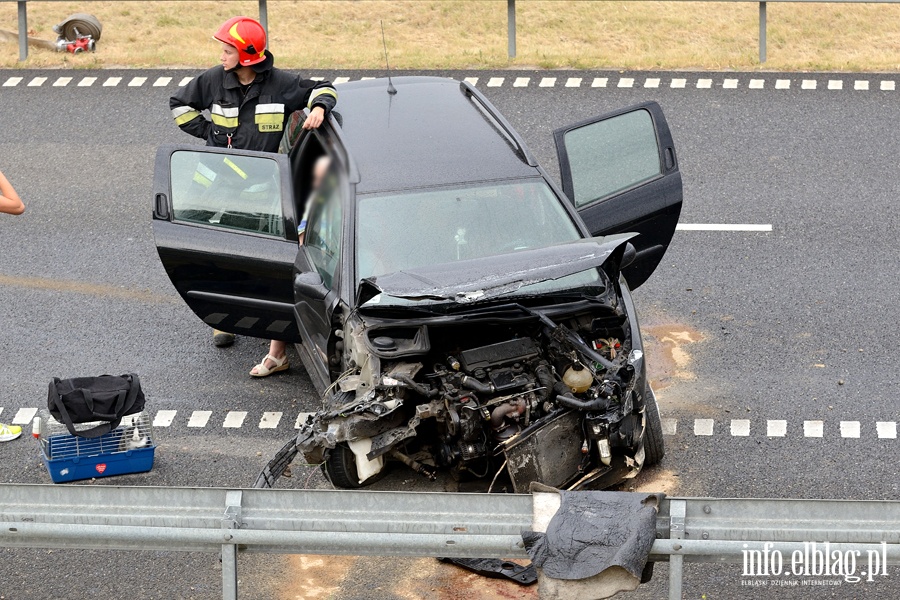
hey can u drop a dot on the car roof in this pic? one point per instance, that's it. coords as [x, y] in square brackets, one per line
[430, 133]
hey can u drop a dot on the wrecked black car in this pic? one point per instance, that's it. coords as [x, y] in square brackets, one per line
[454, 308]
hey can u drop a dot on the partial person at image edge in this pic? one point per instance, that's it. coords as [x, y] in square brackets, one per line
[11, 204]
[249, 100]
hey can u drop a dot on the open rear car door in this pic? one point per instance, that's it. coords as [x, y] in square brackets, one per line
[621, 173]
[226, 233]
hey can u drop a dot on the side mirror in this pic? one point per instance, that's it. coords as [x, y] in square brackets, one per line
[310, 285]
[628, 256]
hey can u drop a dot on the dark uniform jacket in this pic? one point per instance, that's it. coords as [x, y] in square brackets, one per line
[251, 118]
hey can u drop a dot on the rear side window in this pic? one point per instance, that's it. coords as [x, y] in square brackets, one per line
[232, 192]
[612, 155]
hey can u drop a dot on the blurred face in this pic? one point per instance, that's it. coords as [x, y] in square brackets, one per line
[319, 171]
[229, 57]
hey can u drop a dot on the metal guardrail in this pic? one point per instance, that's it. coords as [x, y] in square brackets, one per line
[510, 20]
[418, 524]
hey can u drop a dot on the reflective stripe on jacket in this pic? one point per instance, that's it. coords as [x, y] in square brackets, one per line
[255, 117]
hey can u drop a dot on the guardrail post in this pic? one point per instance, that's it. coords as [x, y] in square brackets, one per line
[762, 32]
[23, 31]
[264, 16]
[511, 27]
[231, 520]
[677, 512]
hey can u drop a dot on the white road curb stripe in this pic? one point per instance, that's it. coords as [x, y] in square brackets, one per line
[626, 82]
[573, 82]
[599, 82]
[547, 82]
[887, 86]
[740, 427]
[521, 81]
[62, 82]
[495, 82]
[730, 84]
[782, 84]
[678, 83]
[12, 82]
[87, 82]
[835, 84]
[162, 81]
[112, 82]
[37, 82]
[808, 84]
[137, 81]
[704, 84]
[651, 82]
[861, 85]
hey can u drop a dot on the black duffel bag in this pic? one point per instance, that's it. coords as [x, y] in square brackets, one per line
[106, 398]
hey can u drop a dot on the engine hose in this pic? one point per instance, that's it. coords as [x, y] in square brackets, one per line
[474, 384]
[79, 25]
[417, 387]
[570, 401]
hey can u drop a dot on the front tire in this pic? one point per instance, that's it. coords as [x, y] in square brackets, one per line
[654, 448]
[340, 468]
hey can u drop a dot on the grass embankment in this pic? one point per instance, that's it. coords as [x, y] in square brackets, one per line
[448, 34]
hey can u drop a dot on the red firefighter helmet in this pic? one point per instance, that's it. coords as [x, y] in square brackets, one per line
[247, 35]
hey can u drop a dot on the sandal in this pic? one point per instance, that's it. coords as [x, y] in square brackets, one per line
[281, 364]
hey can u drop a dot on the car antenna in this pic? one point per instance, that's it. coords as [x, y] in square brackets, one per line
[391, 89]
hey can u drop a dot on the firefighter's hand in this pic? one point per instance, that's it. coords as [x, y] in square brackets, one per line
[316, 117]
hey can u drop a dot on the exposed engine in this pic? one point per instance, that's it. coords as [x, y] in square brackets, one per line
[540, 401]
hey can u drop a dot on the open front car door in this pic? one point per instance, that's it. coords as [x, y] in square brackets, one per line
[226, 233]
[621, 173]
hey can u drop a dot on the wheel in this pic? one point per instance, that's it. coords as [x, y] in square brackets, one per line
[340, 468]
[654, 449]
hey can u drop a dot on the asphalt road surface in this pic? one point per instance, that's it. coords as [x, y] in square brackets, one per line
[774, 352]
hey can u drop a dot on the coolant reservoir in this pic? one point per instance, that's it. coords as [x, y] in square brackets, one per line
[578, 378]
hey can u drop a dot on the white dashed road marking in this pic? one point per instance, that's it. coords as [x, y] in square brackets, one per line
[835, 84]
[184, 81]
[37, 82]
[887, 86]
[808, 84]
[162, 81]
[87, 82]
[599, 82]
[12, 82]
[669, 426]
[886, 429]
[137, 81]
[723, 227]
[301, 419]
[112, 82]
[521, 81]
[704, 84]
[849, 429]
[270, 420]
[679, 83]
[776, 428]
[338, 80]
[573, 82]
[813, 429]
[861, 85]
[495, 82]
[626, 82]
[740, 427]
[471, 80]
[730, 84]
[234, 419]
[703, 426]
[547, 82]
[199, 418]
[164, 418]
[782, 84]
[651, 82]
[62, 82]
[24, 416]
[757, 84]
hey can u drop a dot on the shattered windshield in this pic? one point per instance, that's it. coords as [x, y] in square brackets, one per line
[418, 228]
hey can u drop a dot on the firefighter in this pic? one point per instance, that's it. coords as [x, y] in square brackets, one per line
[248, 99]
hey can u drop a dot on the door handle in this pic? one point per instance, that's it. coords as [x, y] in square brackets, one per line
[161, 207]
[670, 158]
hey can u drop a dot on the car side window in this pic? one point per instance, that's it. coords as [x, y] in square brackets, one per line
[323, 230]
[232, 192]
[612, 155]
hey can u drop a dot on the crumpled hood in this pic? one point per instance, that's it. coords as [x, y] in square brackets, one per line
[482, 278]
